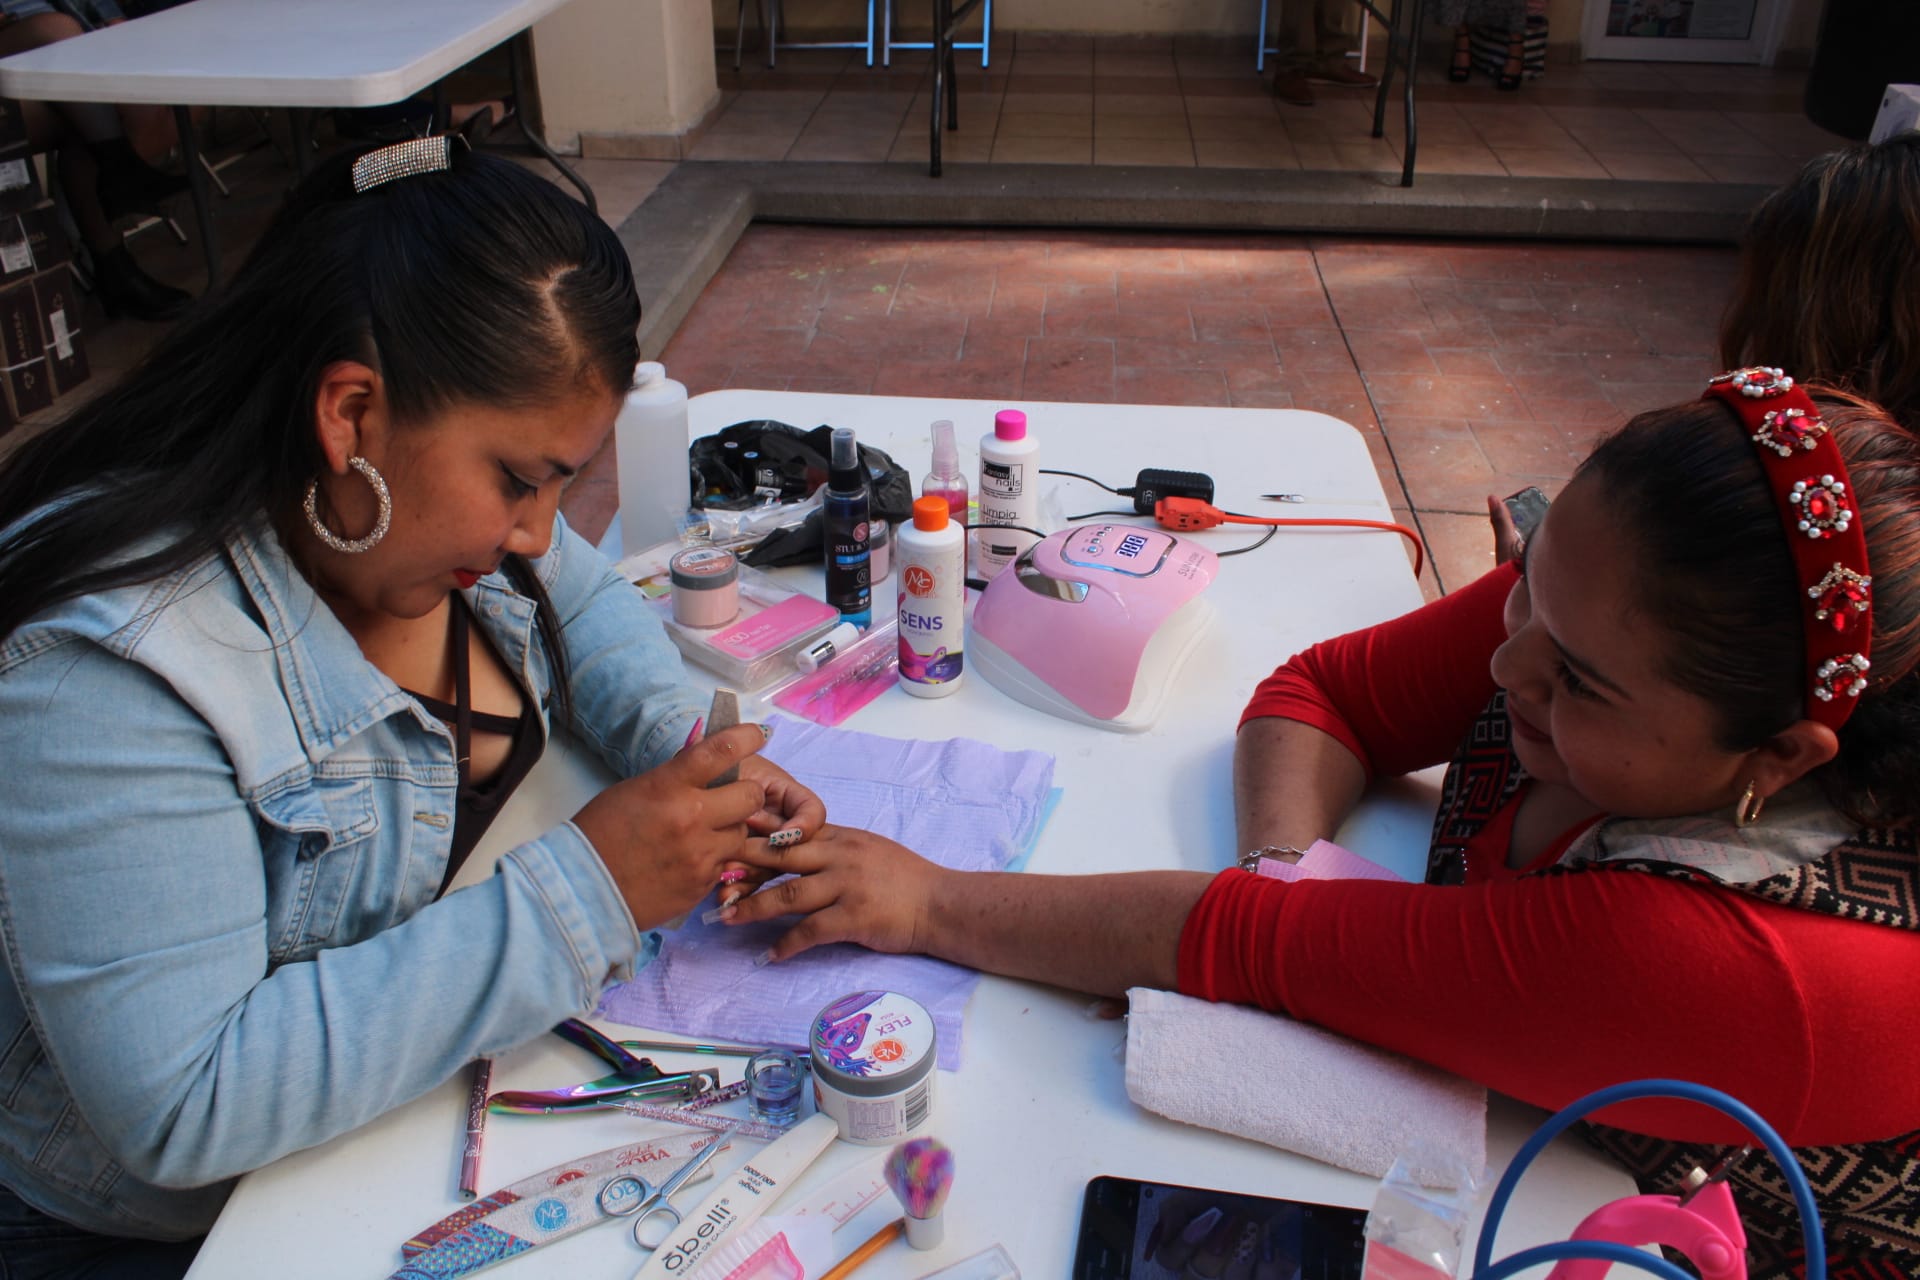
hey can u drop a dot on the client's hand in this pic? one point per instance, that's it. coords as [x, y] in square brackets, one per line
[851, 885]
[789, 807]
[665, 836]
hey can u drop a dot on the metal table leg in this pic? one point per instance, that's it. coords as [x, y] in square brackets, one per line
[946, 80]
[1407, 46]
[197, 185]
[518, 48]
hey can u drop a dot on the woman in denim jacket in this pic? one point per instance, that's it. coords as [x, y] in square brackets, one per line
[283, 616]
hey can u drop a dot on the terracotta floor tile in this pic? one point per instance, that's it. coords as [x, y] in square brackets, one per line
[1225, 105]
[1439, 395]
[1136, 385]
[1057, 104]
[1244, 153]
[861, 147]
[1477, 160]
[1461, 546]
[1391, 351]
[1140, 101]
[1533, 449]
[755, 145]
[1016, 150]
[1569, 162]
[1306, 351]
[1258, 386]
[1020, 124]
[1115, 125]
[1164, 152]
[1230, 322]
[1068, 369]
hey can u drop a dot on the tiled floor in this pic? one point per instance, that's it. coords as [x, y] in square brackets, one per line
[1199, 103]
[1472, 368]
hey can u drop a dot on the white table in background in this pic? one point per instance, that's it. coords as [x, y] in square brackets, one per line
[1040, 1105]
[278, 53]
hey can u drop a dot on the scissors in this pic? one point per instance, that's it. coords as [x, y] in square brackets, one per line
[631, 1196]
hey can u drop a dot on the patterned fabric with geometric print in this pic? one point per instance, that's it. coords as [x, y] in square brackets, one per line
[1869, 1207]
[1869, 1192]
[1481, 779]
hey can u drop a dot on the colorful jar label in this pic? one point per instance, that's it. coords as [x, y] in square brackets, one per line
[873, 1034]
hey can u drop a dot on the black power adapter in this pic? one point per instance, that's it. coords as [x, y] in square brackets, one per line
[1155, 483]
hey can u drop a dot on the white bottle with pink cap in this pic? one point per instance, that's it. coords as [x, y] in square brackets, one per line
[1009, 492]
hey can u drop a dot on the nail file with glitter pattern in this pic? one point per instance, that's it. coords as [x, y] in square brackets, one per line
[550, 1205]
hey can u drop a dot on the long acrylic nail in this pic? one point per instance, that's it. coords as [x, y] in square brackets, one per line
[764, 959]
[785, 839]
[766, 730]
[719, 915]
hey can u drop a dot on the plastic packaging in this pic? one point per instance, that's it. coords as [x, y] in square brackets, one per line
[849, 581]
[852, 678]
[1416, 1232]
[932, 601]
[758, 647]
[1009, 492]
[650, 443]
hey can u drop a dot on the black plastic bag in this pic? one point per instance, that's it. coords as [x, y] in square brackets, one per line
[738, 466]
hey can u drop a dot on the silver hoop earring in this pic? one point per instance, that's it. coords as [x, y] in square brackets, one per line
[357, 545]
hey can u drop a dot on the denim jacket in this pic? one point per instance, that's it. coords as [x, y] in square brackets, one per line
[221, 834]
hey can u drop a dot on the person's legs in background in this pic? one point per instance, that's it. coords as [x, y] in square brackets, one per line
[102, 175]
[1315, 38]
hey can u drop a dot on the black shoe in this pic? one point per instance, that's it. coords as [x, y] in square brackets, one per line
[128, 184]
[124, 287]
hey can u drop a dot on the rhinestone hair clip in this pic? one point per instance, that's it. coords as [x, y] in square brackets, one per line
[404, 160]
[1814, 496]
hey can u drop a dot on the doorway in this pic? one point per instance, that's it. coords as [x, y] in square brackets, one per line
[1682, 30]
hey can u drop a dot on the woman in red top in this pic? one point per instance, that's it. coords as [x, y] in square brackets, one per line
[1676, 839]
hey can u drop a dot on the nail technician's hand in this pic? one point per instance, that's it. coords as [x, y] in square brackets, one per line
[665, 836]
[851, 885]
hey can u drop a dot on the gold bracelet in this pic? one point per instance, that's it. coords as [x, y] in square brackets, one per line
[1250, 860]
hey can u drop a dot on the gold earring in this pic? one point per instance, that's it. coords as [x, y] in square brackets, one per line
[1747, 812]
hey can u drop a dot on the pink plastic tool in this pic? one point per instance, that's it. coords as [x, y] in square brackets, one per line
[1704, 1225]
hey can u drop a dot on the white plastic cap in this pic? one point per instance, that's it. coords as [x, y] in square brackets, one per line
[648, 372]
[827, 647]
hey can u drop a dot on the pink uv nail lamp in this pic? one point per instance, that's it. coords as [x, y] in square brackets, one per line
[1093, 624]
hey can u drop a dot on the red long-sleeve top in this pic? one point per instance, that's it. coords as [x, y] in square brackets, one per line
[1548, 987]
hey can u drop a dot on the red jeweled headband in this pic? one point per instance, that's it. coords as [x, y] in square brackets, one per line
[1810, 488]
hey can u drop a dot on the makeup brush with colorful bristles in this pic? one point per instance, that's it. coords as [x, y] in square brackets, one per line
[921, 1173]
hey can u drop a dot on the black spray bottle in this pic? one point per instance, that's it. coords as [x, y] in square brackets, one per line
[849, 584]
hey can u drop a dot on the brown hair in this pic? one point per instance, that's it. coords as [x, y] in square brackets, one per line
[1829, 286]
[1719, 582]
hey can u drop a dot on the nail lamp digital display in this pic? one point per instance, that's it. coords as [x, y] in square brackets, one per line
[1093, 624]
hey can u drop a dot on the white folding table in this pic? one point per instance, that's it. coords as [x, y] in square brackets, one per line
[1040, 1104]
[279, 53]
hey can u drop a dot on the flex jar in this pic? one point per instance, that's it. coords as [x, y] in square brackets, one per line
[873, 1060]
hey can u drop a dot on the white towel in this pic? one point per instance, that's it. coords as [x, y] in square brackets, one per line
[1267, 1077]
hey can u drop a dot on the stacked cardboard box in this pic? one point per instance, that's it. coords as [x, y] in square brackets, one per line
[41, 356]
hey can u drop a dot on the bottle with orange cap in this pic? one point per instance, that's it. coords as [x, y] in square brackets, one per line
[931, 551]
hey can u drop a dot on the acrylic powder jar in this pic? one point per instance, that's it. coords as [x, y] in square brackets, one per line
[873, 1066]
[706, 586]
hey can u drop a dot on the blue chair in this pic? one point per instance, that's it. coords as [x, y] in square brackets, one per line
[984, 44]
[769, 11]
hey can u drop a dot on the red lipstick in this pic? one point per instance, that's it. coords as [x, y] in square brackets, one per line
[465, 577]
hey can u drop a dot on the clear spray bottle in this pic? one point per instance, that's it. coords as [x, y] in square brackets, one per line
[946, 480]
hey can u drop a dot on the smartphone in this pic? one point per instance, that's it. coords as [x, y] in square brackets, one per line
[1133, 1230]
[1527, 507]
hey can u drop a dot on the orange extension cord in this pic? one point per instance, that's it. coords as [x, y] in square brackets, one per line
[1185, 515]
